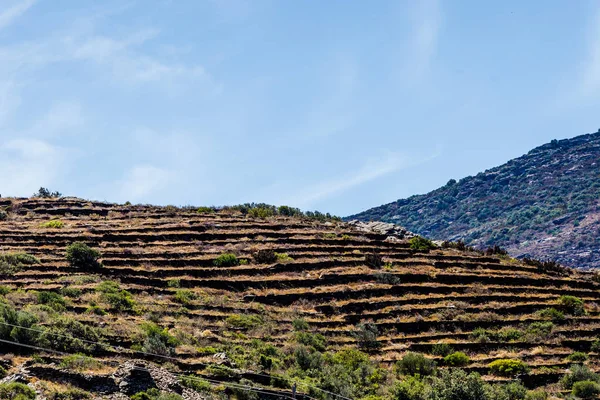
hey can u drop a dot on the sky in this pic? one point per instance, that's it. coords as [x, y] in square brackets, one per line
[338, 105]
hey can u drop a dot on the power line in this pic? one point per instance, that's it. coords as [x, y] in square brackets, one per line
[214, 382]
[116, 348]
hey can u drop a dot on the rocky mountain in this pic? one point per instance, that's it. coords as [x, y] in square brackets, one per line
[544, 204]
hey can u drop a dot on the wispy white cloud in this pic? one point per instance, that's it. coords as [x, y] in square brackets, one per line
[126, 62]
[61, 118]
[426, 21]
[10, 14]
[141, 181]
[28, 163]
[590, 82]
[372, 169]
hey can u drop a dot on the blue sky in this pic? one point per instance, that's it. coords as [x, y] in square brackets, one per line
[332, 105]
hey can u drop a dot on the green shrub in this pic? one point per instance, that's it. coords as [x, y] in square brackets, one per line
[242, 321]
[586, 389]
[300, 324]
[411, 388]
[307, 359]
[80, 362]
[514, 391]
[185, 296]
[457, 359]
[553, 314]
[226, 260]
[52, 224]
[578, 357]
[261, 212]
[288, 211]
[456, 384]
[119, 299]
[578, 373]
[11, 263]
[3, 215]
[157, 340]
[155, 394]
[52, 299]
[536, 395]
[69, 394]
[283, 257]
[95, 309]
[441, 349]
[81, 256]
[174, 283]
[415, 364]
[71, 292]
[421, 244]
[537, 331]
[16, 391]
[595, 347]
[70, 336]
[16, 325]
[573, 305]
[507, 367]
[314, 340]
[366, 335]
[2, 372]
[195, 383]
[205, 210]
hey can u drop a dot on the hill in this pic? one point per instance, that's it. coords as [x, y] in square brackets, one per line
[545, 204]
[241, 303]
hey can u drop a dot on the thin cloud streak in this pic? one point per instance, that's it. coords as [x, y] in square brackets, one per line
[370, 171]
[423, 42]
[9, 15]
[591, 75]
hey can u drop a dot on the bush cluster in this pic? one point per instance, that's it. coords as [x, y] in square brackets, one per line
[457, 359]
[419, 243]
[81, 256]
[573, 305]
[508, 367]
[11, 263]
[226, 260]
[52, 224]
[262, 210]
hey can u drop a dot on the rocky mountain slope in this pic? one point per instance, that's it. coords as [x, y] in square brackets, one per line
[106, 301]
[545, 204]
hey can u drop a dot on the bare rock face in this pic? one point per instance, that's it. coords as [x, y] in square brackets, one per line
[138, 376]
[134, 377]
[393, 231]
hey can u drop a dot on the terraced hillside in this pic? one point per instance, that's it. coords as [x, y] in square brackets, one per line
[218, 304]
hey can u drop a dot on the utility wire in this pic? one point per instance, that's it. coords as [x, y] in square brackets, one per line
[117, 348]
[200, 379]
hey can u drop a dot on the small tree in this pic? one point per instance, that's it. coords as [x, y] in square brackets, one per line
[44, 193]
[81, 256]
[366, 335]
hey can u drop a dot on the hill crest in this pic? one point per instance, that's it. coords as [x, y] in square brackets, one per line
[544, 204]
